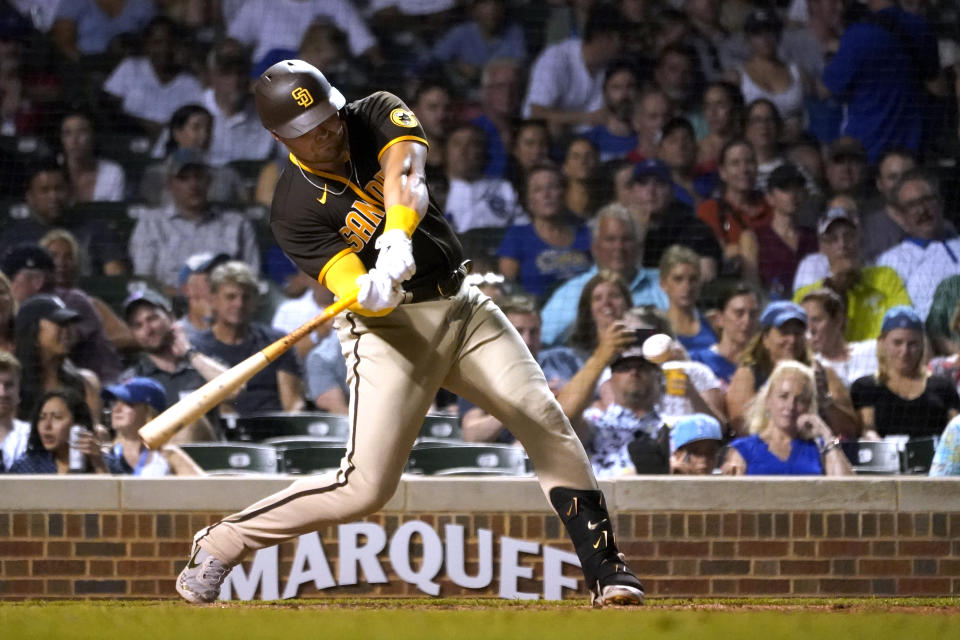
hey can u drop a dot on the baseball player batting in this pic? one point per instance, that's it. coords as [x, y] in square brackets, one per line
[352, 210]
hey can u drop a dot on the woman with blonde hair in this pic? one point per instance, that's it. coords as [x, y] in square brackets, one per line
[787, 437]
[902, 397]
[783, 327]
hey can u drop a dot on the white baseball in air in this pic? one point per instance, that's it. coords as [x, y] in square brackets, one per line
[656, 348]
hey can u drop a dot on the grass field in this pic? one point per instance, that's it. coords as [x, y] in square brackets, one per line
[840, 619]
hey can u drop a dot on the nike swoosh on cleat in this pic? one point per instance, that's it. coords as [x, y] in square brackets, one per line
[594, 525]
[190, 563]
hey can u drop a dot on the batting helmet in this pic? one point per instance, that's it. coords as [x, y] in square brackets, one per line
[293, 97]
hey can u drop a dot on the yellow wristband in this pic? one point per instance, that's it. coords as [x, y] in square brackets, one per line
[401, 217]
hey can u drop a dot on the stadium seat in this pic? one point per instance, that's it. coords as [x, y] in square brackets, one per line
[438, 427]
[111, 289]
[303, 455]
[114, 216]
[218, 458]
[918, 455]
[468, 459]
[876, 458]
[257, 427]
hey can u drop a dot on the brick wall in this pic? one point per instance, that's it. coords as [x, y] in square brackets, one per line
[64, 553]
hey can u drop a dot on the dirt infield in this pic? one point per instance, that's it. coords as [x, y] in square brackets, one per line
[464, 619]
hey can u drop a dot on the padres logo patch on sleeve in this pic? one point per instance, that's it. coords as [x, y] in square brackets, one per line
[403, 118]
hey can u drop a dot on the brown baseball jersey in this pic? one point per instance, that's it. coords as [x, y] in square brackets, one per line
[317, 217]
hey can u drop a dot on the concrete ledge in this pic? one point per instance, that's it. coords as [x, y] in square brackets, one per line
[461, 494]
[466, 494]
[677, 493]
[51, 493]
[928, 494]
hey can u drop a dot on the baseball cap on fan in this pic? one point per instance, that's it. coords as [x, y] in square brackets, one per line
[292, 97]
[201, 263]
[832, 215]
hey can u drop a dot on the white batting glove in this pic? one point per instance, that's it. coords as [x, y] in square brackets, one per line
[396, 255]
[378, 291]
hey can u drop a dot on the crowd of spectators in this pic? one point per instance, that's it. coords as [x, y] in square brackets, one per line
[726, 229]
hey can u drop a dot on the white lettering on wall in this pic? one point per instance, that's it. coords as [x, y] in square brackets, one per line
[351, 554]
[456, 567]
[360, 544]
[309, 563]
[263, 572]
[432, 556]
[553, 579]
[510, 569]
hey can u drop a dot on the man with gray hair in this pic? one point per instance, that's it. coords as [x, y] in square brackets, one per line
[928, 254]
[617, 245]
[234, 337]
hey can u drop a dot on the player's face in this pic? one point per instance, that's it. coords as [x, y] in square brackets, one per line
[325, 145]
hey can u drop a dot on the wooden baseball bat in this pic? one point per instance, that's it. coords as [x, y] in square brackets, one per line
[158, 431]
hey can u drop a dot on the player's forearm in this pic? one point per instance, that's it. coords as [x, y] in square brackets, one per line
[404, 185]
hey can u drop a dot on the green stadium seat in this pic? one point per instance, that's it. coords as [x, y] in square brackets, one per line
[219, 458]
[874, 457]
[918, 455]
[440, 427]
[111, 289]
[305, 455]
[254, 428]
[468, 459]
